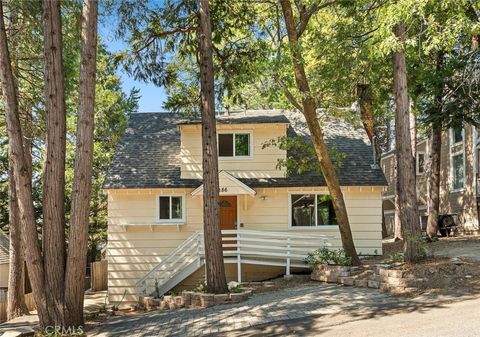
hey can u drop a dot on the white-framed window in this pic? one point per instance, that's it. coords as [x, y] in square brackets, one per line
[311, 210]
[235, 145]
[457, 162]
[456, 136]
[171, 208]
[457, 159]
[420, 163]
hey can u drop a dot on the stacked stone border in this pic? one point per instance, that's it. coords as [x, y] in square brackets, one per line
[190, 299]
[381, 277]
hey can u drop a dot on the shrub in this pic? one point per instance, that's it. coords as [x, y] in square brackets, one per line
[326, 256]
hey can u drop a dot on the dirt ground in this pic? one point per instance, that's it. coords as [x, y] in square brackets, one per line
[453, 265]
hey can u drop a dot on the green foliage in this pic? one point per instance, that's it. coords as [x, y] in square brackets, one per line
[397, 257]
[163, 47]
[201, 286]
[237, 289]
[327, 256]
[113, 107]
[301, 157]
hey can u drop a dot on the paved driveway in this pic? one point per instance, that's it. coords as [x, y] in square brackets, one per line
[277, 313]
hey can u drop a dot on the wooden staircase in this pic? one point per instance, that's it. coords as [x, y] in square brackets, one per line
[281, 249]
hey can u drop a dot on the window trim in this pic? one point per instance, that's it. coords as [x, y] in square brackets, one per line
[452, 144]
[453, 154]
[316, 227]
[170, 221]
[417, 166]
[234, 157]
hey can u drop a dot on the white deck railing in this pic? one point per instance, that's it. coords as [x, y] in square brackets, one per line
[282, 249]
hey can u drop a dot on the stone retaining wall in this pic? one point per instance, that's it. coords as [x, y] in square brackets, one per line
[190, 299]
[378, 277]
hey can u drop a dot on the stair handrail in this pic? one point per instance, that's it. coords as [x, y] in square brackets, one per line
[195, 239]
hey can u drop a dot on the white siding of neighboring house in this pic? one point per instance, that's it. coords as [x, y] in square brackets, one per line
[136, 242]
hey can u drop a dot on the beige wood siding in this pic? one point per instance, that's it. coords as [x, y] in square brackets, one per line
[4, 275]
[137, 241]
[262, 164]
[462, 202]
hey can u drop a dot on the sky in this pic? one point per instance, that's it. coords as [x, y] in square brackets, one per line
[152, 97]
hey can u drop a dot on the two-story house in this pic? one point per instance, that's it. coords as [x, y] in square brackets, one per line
[459, 179]
[270, 221]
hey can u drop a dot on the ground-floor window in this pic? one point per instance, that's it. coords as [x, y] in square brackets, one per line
[170, 208]
[312, 210]
[458, 171]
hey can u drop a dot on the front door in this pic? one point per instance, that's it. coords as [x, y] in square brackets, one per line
[228, 217]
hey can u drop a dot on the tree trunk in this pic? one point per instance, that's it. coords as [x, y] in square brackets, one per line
[435, 156]
[82, 180]
[16, 278]
[16, 282]
[367, 116]
[407, 195]
[434, 182]
[54, 168]
[23, 183]
[310, 112]
[215, 269]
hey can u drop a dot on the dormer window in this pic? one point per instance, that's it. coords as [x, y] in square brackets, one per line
[235, 145]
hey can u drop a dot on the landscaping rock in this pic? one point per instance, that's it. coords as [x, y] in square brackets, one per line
[238, 297]
[207, 300]
[179, 301]
[221, 299]
[361, 283]
[395, 273]
[187, 298]
[196, 300]
[373, 284]
[347, 281]
[164, 306]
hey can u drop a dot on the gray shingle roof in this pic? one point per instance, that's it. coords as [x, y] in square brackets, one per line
[148, 155]
[247, 117]
[4, 248]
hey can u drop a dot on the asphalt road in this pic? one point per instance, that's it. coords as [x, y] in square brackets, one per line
[453, 317]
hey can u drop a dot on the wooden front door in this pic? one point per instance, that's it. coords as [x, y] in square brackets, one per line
[228, 217]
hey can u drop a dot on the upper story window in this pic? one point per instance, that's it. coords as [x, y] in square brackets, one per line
[235, 145]
[170, 208]
[420, 163]
[312, 210]
[457, 135]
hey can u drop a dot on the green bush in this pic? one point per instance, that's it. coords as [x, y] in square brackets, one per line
[326, 256]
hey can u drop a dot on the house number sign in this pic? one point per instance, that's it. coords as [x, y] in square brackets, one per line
[224, 189]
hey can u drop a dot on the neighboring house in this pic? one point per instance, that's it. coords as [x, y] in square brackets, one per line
[269, 221]
[4, 259]
[459, 179]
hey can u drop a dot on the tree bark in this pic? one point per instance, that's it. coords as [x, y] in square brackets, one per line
[434, 182]
[407, 195]
[435, 156]
[321, 150]
[82, 180]
[16, 282]
[23, 183]
[367, 116]
[215, 269]
[16, 276]
[54, 167]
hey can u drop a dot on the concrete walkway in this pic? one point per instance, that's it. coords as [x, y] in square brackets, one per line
[269, 311]
[25, 324]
